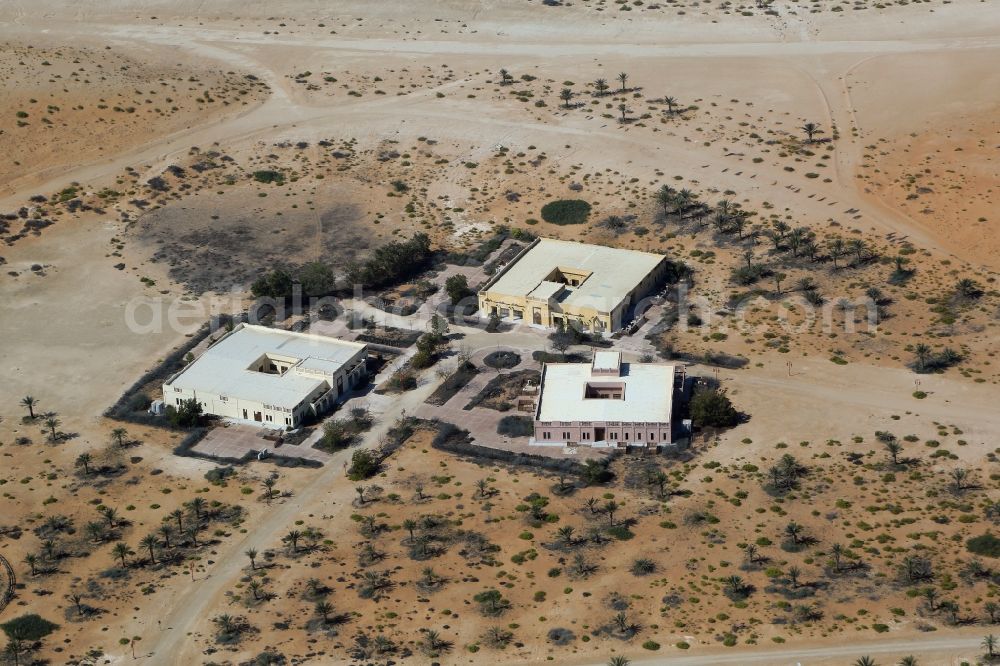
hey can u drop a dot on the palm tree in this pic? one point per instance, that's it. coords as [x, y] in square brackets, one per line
[909, 660]
[110, 514]
[811, 130]
[52, 423]
[83, 460]
[601, 86]
[665, 197]
[121, 551]
[118, 434]
[778, 277]
[323, 609]
[255, 587]
[166, 531]
[619, 660]
[931, 595]
[30, 403]
[32, 561]
[836, 248]
[894, 448]
[269, 484]
[292, 539]
[609, 508]
[49, 549]
[409, 525]
[750, 552]
[865, 661]
[990, 643]
[923, 353]
[623, 77]
[566, 534]
[624, 109]
[592, 504]
[857, 247]
[482, 487]
[793, 575]
[566, 95]
[991, 609]
[150, 542]
[197, 505]
[77, 599]
[735, 585]
[178, 515]
[671, 103]
[505, 76]
[252, 554]
[969, 288]
[793, 531]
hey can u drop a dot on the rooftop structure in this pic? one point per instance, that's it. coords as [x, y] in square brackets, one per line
[605, 403]
[555, 282]
[271, 376]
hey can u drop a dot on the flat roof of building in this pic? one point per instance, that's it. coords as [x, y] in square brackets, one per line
[613, 273]
[224, 368]
[647, 395]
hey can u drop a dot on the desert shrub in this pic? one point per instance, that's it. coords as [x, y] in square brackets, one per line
[984, 544]
[364, 464]
[31, 627]
[516, 426]
[457, 287]
[392, 263]
[269, 176]
[502, 360]
[712, 407]
[566, 211]
[188, 414]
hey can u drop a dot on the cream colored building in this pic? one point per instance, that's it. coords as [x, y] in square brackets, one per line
[608, 403]
[554, 281]
[268, 376]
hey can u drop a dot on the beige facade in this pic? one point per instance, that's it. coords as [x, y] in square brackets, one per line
[268, 376]
[553, 282]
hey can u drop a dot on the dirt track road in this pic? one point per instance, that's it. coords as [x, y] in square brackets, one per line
[932, 651]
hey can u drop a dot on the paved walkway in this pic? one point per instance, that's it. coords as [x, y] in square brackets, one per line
[238, 440]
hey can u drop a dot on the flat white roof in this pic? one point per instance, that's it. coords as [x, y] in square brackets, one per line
[607, 360]
[614, 273]
[647, 395]
[224, 367]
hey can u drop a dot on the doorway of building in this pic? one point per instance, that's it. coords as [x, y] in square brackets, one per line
[257, 416]
[598, 434]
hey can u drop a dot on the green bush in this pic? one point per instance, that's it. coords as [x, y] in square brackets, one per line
[712, 407]
[516, 426]
[566, 211]
[30, 627]
[985, 544]
[269, 176]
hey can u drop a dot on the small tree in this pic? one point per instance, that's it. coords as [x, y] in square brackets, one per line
[118, 436]
[566, 95]
[811, 130]
[52, 423]
[712, 407]
[251, 554]
[83, 460]
[623, 77]
[457, 287]
[30, 403]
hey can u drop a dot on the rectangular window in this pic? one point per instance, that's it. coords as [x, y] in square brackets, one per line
[614, 435]
[664, 436]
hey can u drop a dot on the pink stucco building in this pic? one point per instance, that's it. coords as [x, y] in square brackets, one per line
[607, 403]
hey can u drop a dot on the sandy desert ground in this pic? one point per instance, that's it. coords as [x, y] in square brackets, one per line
[132, 131]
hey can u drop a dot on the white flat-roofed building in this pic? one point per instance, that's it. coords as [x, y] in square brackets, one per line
[269, 376]
[554, 282]
[606, 403]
